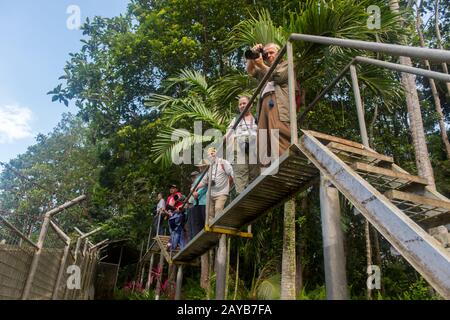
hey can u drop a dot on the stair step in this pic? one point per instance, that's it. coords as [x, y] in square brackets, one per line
[326, 137]
[385, 178]
[351, 154]
[426, 211]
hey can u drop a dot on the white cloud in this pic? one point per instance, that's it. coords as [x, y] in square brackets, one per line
[14, 123]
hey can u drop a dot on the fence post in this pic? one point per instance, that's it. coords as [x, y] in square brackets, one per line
[36, 257]
[63, 260]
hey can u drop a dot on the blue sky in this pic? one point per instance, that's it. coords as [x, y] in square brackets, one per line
[35, 43]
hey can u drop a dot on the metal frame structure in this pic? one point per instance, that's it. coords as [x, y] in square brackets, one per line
[419, 248]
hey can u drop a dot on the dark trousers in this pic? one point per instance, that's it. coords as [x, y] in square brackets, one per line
[198, 219]
[190, 223]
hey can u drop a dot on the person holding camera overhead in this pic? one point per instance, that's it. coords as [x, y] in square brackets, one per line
[244, 139]
[221, 178]
[273, 111]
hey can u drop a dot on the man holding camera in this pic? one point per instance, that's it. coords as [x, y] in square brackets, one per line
[273, 111]
[221, 178]
[244, 140]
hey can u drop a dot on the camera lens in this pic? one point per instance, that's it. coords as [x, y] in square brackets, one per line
[251, 55]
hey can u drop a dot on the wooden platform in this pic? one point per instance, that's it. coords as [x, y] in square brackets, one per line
[291, 173]
[159, 245]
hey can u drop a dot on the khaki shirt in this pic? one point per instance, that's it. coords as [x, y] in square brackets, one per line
[280, 79]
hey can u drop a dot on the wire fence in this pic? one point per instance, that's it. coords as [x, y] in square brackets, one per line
[16, 255]
[50, 270]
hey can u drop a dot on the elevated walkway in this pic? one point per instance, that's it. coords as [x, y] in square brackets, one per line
[399, 205]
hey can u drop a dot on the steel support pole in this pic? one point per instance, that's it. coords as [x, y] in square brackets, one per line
[179, 282]
[402, 68]
[291, 84]
[333, 244]
[221, 267]
[150, 268]
[159, 279]
[393, 49]
[359, 107]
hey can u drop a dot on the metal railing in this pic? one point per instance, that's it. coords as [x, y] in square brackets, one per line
[392, 49]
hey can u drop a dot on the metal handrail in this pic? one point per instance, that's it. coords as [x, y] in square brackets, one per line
[394, 49]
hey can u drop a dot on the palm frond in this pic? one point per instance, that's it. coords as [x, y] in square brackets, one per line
[255, 30]
[193, 80]
[160, 101]
[193, 108]
[227, 89]
[172, 141]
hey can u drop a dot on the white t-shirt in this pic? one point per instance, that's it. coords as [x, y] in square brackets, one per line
[221, 171]
[161, 205]
[269, 87]
[244, 128]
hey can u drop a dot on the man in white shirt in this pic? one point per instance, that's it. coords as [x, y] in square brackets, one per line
[160, 212]
[244, 139]
[221, 178]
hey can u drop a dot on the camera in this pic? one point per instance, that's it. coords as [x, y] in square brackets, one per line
[254, 54]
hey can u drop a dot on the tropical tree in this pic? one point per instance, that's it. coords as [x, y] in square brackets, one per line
[194, 100]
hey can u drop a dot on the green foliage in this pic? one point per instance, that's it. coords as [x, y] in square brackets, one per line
[144, 76]
[192, 290]
[319, 293]
[127, 294]
[270, 288]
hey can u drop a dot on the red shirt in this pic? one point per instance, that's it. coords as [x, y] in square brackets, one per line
[171, 202]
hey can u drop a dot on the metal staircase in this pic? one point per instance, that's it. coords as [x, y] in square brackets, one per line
[399, 205]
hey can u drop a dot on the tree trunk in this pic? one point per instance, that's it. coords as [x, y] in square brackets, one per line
[439, 40]
[437, 101]
[368, 254]
[415, 117]
[227, 272]
[160, 274]
[236, 279]
[376, 242]
[299, 253]
[288, 259]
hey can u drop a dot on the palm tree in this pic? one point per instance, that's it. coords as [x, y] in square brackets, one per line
[193, 99]
[414, 114]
